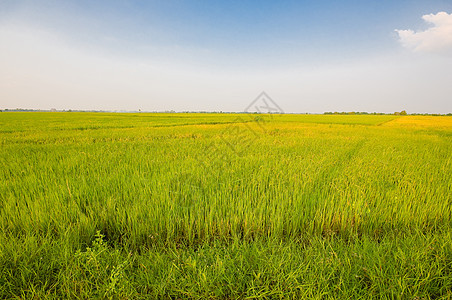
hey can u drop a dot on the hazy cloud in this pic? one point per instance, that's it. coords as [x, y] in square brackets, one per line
[436, 39]
[41, 68]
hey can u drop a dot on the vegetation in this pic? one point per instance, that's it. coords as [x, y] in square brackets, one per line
[138, 206]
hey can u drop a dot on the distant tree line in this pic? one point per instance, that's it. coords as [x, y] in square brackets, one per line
[19, 109]
[397, 113]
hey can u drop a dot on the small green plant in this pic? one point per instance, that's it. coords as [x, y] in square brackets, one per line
[97, 267]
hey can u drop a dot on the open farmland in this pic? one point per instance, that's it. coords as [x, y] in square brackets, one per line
[225, 206]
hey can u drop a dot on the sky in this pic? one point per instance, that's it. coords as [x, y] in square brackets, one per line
[308, 56]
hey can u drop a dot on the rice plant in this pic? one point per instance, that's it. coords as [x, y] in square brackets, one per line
[225, 206]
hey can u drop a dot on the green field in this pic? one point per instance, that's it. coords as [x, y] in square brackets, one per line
[227, 206]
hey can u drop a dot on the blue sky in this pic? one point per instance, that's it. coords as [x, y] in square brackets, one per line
[310, 56]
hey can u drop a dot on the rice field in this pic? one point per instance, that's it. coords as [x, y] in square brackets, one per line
[225, 206]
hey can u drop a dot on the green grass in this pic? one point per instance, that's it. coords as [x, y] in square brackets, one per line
[225, 206]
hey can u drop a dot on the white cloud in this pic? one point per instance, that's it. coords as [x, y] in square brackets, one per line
[436, 39]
